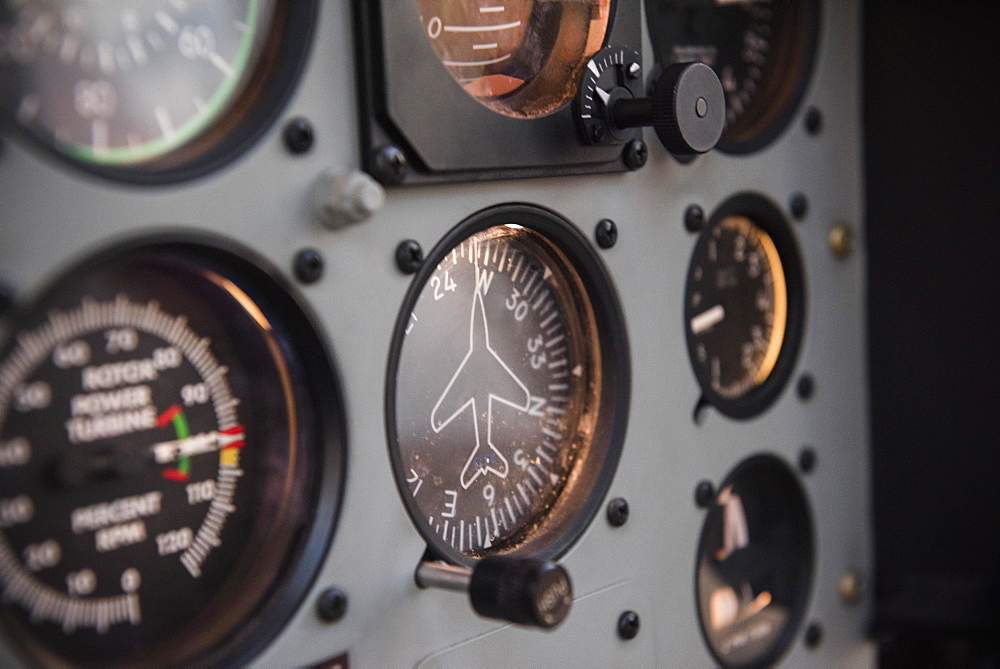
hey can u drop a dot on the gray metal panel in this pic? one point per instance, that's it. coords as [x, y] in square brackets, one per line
[50, 214]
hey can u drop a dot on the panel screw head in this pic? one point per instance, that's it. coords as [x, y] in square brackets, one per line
[617, 512]
[628, 625]
[814, 636]
[634, 70]
[298, 135]
[694, 218]
[704, 493]
[798, 205]
[598, 133]
[807, 460]
[635, 154]
[391, 166]
[409, 256]
[805, 387]
[851, 587]
[331, 605]
[842, 240]
[606, 233]
[308, 265]
[814, 121]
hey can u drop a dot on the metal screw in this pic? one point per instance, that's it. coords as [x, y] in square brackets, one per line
[799, 205]
[694, 218]
[331, 605]
[814, 636]
[805, 387]
[298, 135]
[851, 587]
[628, 625]
[635, 155]
[814, 121]
[391, 166]
[409, 256]
[606, 233]
[308, 265]
[807, 459]
[617, 512]
[634, 70]
[842, 240]
[598, 133]
[704, 493]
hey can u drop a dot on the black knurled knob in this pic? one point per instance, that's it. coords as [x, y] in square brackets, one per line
[687, 109]
[523, 591]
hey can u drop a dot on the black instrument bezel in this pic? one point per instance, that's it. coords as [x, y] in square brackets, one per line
[773, 472]
[768, 217]
[235, 132]
[609, 432]
[407, 99]
[320, 403]
[804, 47]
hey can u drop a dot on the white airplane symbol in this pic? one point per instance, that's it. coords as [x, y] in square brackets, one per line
[480, 368]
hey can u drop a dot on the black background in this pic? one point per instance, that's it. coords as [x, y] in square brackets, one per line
[930, 103]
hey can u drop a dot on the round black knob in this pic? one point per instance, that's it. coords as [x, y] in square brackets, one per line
[687, 109]
[523, 591]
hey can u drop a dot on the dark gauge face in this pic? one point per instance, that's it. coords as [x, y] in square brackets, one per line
[743, 306]
[142, 84]
[161, 456]
[506, 377]
[518, 57]
[754, 564]
[762, 51]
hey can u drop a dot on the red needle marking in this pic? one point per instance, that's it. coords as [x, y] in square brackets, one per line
[167, 416]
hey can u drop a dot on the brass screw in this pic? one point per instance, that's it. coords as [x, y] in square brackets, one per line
[842, 240]
[852, 587]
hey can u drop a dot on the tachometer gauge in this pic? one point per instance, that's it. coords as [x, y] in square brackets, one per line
[743, 306]
[755, 562]
[520, 58]
[170, 453]
[148, 88]
[507, 390]
[762, 51]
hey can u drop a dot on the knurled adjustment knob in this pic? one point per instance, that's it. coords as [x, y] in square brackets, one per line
[525, 591]
[687, 109]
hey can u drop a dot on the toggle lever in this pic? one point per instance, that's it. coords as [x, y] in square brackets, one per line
[530, 592]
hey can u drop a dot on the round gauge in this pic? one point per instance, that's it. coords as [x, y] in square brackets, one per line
[507, 390]
[762, 51]
[743, 306]
[170, 454]
[148, 88]
[755, 562]
[519, 58]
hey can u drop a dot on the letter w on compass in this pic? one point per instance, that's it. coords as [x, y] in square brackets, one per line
[481, 379]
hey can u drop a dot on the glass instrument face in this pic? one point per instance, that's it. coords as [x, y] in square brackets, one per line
[498, 420]
[521, 58]
[736, 307]
[131, 83]
[754, 564]
[761, 50]
[151, 491]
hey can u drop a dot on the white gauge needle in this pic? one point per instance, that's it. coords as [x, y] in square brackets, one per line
[207, 442]
[707, 319]
[604, 95]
